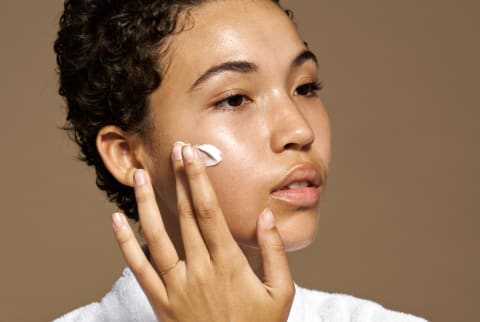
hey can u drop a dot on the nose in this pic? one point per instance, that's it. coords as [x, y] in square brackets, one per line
[290, 129]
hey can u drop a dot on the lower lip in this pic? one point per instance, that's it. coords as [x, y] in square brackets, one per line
[300, 197]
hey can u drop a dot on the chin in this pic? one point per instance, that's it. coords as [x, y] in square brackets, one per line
[294, 238]
[293, 242]
[299, 230]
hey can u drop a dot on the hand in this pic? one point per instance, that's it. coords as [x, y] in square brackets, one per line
[215, 281]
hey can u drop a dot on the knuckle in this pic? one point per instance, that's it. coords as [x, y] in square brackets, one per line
[272, 246]
[274, 242]
[201, 281]
[123, 237]
[155, 236]
[184, 209]
[206, 209]
[201, 277]
[231, 254]
[239, 267]
[139, 267]
[277, 246]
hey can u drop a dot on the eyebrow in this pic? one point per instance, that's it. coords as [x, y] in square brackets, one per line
[303, 57]
[246, 67]
[243, 67]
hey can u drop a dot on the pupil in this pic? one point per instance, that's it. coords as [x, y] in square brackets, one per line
[303, 90]
[235, 100]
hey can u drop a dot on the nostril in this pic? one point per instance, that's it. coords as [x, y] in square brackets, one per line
[296, 146]
[290, 146]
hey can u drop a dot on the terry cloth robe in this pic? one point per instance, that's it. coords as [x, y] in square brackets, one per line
[126, 302]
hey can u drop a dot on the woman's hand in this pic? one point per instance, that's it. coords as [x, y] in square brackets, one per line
[215, 281]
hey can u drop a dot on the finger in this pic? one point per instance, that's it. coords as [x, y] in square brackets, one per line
[211, 221]
[144, 272]
[277, 274]
[194, 246]
[161, 247]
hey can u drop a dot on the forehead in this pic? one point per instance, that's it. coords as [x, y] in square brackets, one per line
[217, 31]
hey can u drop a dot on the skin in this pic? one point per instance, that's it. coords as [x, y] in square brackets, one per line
[210, 218]
[254, 138]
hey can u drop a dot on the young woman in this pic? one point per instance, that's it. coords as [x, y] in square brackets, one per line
[147, 85]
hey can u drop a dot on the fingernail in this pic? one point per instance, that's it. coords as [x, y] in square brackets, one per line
[117, 220]
[139, 177]
[177, 151]
[268, 219]
[188, 153]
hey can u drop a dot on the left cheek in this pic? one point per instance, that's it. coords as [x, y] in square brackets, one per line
[320, 124]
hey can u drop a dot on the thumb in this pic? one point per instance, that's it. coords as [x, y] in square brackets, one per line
[276, 271]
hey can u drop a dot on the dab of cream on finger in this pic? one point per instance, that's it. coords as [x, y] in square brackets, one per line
[210, 154]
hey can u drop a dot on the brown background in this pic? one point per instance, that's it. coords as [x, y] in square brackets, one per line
[400, 219]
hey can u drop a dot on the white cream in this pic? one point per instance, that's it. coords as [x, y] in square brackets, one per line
[210, 154]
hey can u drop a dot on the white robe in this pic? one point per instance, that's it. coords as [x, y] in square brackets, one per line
[126, 302]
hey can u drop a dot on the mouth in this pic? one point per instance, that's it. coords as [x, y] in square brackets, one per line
[300, 187]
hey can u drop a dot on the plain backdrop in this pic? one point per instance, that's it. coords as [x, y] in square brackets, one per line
[399, 222]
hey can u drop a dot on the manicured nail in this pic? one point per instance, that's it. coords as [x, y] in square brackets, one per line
[139, 177]
[268, 219]
[188, 153]
[117, 220]
[177, 151]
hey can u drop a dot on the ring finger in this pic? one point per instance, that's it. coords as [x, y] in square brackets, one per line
[161, 248]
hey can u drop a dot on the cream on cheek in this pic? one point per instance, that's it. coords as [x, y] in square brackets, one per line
[231, 173]
[210, 154]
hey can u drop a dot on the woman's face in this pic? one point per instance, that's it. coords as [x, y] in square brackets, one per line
[241, 78]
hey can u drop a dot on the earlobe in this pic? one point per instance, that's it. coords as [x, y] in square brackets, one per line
[118, 152]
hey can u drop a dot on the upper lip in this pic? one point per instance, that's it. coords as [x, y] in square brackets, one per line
[300, 173]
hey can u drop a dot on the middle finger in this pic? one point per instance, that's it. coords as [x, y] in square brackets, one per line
[211, 220]
[194, 246]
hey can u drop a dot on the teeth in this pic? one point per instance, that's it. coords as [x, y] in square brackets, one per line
[297, 185]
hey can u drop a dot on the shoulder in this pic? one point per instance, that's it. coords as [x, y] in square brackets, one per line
[311, 305]
[125, 302]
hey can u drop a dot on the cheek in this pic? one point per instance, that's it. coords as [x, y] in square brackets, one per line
[245, 177]
[237, 180]
[239, 184]
[161, 171]
[320, 124]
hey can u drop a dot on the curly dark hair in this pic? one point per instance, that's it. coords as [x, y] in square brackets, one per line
[108, 56]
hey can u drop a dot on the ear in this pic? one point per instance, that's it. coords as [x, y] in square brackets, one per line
[121, 153]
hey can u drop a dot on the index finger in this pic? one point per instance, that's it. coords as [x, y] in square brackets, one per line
[211, 221]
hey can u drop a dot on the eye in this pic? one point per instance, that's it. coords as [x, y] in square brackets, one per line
[232, 102]
[309, 89]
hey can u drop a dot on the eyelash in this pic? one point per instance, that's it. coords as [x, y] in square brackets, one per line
[312, 87]
[223, 105]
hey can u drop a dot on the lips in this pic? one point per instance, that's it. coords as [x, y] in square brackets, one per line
[300, 187]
